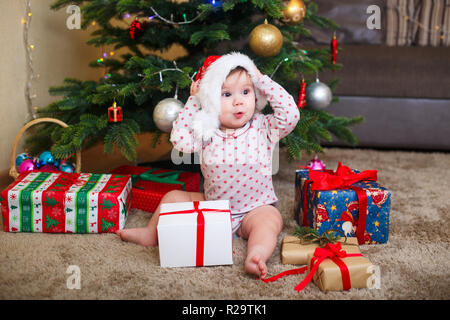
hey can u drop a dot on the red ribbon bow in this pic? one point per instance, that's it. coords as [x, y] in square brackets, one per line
[200, 247]
[335, 253]
[330, 251]
[342, 178]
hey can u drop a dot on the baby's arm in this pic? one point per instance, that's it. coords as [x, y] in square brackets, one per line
[285, 112]
[182, 136]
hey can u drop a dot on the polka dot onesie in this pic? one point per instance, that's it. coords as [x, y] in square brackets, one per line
[237, 164]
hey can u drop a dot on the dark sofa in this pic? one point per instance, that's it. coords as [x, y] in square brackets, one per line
[403, 92]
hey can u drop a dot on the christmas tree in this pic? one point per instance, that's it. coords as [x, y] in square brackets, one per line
[137, 81]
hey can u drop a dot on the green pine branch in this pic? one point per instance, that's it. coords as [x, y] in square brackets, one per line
[124, 136]
[310, 235]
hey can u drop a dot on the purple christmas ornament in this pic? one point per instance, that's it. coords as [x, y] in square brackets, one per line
[26, 165]
[316, 164]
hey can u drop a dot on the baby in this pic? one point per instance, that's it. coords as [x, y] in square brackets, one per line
[223, 123]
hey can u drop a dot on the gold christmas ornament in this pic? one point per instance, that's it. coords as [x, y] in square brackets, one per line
[266, 40]
[295, 12]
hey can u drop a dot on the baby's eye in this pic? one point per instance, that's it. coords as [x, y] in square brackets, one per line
[226, 94]
[245, 91]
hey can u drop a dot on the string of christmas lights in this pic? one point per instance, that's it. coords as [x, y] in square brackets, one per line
[278, 66]
[29, 61]
[170, 69]
[157, 15]
[170, 21]
[421, 25]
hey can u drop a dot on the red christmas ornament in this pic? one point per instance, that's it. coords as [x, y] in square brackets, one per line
[115, 113]
[137, 28]
[302, 95]
[334, 45]
[316, 164]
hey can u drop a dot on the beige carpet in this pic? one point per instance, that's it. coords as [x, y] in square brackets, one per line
[414, 264]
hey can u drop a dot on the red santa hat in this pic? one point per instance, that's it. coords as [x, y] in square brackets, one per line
[212, 75]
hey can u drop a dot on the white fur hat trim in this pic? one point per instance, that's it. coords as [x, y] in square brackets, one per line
[206, 121]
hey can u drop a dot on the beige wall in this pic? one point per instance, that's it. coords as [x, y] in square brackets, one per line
[58, 53]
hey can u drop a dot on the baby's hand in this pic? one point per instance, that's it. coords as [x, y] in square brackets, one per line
[195, 85]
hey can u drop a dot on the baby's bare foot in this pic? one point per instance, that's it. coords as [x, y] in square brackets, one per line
[255, 265]
[143, 236]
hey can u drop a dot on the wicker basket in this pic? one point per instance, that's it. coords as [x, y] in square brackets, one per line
[13, 170]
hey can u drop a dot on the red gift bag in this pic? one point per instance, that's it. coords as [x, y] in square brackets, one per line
[147, 194]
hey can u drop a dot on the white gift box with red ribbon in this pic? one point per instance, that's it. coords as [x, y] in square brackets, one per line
[195, 234]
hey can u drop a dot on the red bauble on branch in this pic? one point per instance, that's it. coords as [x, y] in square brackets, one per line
[302, 95]
[134, 28]
[334, 46]
[137, 28]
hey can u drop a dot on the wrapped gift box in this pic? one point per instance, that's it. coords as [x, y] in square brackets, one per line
[332, 272]
[300, 177]
[338, 208]
[195, 234]
[296, 251]
[147, 194]
[66, 202]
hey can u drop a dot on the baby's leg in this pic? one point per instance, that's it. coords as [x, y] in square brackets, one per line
[261, 227]
[147, 236]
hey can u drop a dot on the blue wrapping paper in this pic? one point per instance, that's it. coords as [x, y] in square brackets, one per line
[338, 209]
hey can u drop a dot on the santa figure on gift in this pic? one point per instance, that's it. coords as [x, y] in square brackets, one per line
[349, 225]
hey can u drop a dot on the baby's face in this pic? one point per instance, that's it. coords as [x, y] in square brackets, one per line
[237, 101]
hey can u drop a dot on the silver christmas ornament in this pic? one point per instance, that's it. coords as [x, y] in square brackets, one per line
[165, 113]
[318, 95]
